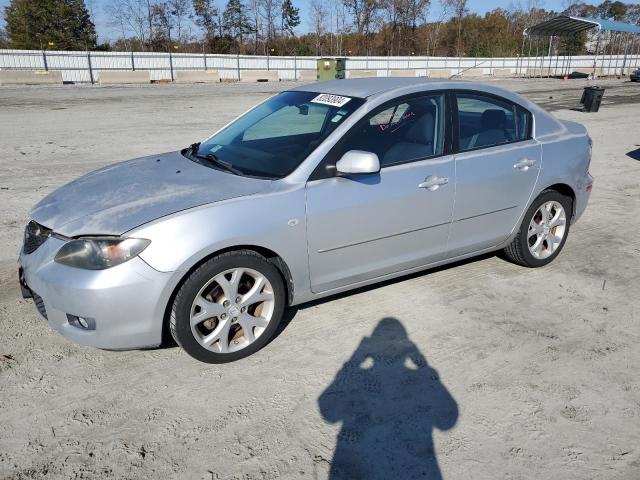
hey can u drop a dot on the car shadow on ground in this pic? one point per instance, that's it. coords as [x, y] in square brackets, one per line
[634, 154]
[388, 400]
[290, 312]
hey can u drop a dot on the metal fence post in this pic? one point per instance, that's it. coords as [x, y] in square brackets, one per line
[624, 60]
[133, 62]
[295, 67]
[44, 60]
[238, 64]
[204, 57]
[171, 64]
[90, 68]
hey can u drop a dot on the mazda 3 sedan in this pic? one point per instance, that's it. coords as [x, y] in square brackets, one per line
[320, 189]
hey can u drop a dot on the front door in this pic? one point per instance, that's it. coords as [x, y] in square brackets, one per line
[364, 227]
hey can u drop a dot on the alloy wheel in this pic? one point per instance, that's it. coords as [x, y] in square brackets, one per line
[546, 229]
[232, 310]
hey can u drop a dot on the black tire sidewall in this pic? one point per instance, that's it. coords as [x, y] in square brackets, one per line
[544, 197]
[191, 287]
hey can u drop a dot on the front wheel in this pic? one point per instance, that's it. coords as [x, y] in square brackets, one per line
[229, 307]
[543, 231]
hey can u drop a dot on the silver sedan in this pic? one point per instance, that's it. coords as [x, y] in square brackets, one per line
[321, 189]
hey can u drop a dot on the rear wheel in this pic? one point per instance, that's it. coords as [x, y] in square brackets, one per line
[228, 308]
[543, 231]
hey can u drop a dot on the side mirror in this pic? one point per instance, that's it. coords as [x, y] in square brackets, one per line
[358, 162]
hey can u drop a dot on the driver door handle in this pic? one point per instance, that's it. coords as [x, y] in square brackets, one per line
[524, 164]
[433, 182]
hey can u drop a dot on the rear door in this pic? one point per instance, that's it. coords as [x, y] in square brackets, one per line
[497, 166]
[363, 227]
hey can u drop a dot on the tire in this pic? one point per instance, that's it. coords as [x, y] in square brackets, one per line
[521, 251]
[237, 326]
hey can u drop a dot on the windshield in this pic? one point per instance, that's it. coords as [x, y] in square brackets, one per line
[275, 137]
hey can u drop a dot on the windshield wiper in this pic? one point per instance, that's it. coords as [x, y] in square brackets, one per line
[210, 157]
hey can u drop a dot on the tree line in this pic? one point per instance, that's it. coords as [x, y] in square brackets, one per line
[335, 27]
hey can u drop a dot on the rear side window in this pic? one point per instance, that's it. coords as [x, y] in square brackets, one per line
[485, 121]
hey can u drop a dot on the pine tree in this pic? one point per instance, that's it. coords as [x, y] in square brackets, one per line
[61, 24]
[290, 17]
[235, 20]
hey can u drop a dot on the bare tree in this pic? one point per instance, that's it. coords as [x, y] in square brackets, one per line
[207, 17]
[318, 23]
[270, 14]
[459, 10]
[391, 15]
[180, 10]
[131, 17]
[338, 14]
[365, 16]
[434, 33]
[163, 22]
[255, 11]
[4, 41]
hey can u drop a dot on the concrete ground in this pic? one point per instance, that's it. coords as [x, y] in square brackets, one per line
[482, 370]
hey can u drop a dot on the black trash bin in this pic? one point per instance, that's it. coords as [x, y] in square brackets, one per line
[591, 98]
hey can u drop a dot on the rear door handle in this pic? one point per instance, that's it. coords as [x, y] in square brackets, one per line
[524, 164]
[433, 182]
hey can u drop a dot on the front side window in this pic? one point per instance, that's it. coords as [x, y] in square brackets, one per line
[275, 137]
[410, 129]
[486, 121]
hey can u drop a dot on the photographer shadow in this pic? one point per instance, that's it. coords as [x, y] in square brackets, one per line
[389, 400]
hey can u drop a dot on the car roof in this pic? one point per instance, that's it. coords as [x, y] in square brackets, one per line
[367, 87]
[387, 88]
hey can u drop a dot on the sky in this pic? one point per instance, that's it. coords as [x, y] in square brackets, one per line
[106, 32]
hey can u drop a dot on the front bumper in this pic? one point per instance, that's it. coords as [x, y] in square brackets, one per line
[126, 302]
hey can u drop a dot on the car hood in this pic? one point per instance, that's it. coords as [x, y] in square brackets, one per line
[117, 198]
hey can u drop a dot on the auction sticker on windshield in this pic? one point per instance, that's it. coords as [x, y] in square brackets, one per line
[332, 100]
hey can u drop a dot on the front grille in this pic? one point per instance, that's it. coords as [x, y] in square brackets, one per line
[34, 236]
[37, 299]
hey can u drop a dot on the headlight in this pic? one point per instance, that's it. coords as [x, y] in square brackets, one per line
[98, 253]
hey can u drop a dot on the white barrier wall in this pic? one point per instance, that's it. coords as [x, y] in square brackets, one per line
[85, 66]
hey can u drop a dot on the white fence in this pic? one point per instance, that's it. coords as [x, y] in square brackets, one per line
[86, 66]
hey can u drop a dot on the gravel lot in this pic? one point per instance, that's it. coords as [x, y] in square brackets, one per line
[482, 370]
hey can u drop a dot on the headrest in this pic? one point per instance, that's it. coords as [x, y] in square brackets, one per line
[422, 129]
[493, 118]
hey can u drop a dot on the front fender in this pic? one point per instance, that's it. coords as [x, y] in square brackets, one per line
[275, 221]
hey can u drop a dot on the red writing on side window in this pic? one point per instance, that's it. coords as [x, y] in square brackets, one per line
[406, 116]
